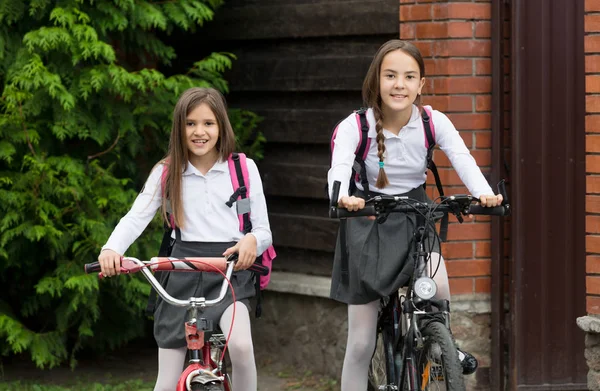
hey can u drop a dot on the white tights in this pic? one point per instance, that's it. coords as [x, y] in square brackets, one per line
[362, 325]
[241, 353]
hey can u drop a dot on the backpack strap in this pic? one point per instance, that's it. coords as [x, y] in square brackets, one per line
[163, 191]
[238, 170]
[166, 244]
[360, 155]
[360, 168]
[430, 143]
[240, 180]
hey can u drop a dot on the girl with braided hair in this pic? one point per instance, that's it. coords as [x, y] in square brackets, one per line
[378, 255]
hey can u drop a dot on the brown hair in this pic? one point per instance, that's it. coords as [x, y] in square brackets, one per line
[177, 156]
[372, 97]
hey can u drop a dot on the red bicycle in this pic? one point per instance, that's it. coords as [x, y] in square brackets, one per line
[206, 370]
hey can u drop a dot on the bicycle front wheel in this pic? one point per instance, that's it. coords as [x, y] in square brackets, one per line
[438, 364]
[207, 387]
[382, 371]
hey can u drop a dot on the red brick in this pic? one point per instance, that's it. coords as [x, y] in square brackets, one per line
[473, 231]
[483, 285]
[592, 164]
[460, 29]
[407, 30]
[463, 85]
[592, 84]
[592, 204]
[483, 249]
[592, 284]
[592, 23]
[592, 143]
[483, 66]
[425, 47]
[448, 177]
[483, 157]
[483, 30]
[592, 123]
[468, 138]
[483, 103]
[448, 66]
[406, 2]
[592, 43]
[431, 30]
[592, 224]
[592, 244]
[460, 286]
[471, 121]
[415, 12]
[449, 103]
[592, 264]
[592, 5]
[462, 48]
[469, 268]
[457, 250]
[592, 63]
[592, 104]
[462, 11]
[593, 302]
[592, 184]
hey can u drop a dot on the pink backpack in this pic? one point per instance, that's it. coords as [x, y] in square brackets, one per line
[238, 170]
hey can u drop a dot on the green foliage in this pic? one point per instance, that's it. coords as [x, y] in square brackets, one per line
[84, 115]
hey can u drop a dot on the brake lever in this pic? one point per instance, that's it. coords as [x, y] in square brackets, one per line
[385, 212]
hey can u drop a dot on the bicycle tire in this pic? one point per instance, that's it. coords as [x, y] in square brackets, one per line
[438, 364]
[382, 370]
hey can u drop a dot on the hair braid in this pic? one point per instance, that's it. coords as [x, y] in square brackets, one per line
[382, 179]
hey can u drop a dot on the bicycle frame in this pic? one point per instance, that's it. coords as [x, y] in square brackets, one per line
[202, 367]
[410, 314]
[406, 315]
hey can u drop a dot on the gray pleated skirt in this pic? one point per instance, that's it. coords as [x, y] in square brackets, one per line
[169, 320]
[380, 257]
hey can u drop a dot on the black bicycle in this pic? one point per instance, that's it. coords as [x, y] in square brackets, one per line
[415, 349]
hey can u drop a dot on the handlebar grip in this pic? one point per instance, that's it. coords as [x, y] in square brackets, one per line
[92, 267]
[335, 194]
[339, 213]
[495, 211]
[259, 269]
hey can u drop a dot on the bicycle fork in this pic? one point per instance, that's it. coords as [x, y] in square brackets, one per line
[199, 371]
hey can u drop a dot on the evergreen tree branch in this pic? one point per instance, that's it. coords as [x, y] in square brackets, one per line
[25, 130]
[114, 144]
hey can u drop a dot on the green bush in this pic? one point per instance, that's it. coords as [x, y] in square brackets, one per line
[84, 115]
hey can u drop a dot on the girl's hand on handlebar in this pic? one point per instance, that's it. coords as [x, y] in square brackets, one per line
[110, 263]
[490, 201]
[351, 203]
[246, 249]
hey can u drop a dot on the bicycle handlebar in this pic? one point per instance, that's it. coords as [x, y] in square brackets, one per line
[457, 204]
[191, 264]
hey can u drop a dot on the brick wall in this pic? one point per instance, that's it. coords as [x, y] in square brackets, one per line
[592, 130]
[455, 40]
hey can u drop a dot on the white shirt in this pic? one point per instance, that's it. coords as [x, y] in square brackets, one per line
[207, 218]
[405, 158]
